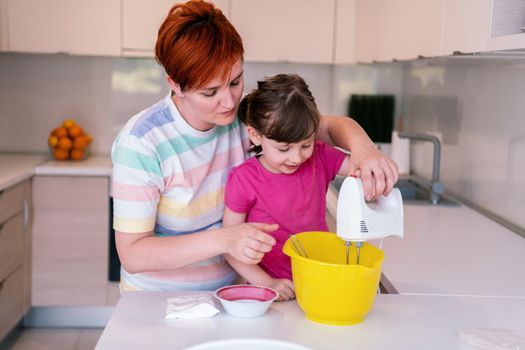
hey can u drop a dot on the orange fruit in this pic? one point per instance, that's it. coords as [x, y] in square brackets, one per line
[75, 131]
[60, 154]
[77, 154]
[81, 142]
[65, 143]
[59, 132]
[52, 141]
[68, 123]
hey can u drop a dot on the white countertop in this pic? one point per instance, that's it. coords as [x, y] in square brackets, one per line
[395, 322]
[95, 165]
[16, 167]
[452, 251]
[457, 251]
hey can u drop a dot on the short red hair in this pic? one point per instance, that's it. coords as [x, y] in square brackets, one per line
[196, 44]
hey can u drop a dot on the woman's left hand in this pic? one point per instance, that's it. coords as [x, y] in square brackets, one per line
[377, 172]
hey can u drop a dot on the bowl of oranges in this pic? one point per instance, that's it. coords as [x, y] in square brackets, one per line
[69, 141]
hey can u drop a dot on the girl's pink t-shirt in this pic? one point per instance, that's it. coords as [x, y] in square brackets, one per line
[297, 202]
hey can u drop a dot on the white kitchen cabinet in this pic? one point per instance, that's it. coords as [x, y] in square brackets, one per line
[398, 29]
[466, 26]
[71, 241]
[141, 20]
[3, 25]
[483, 25]
[370, 28]
[15, 255]
[64, 26]
[507, 25]
[285, 30]
[344, 44]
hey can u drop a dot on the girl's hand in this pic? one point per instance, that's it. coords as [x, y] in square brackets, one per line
[248, 242]
[377, 172]
[284, 287]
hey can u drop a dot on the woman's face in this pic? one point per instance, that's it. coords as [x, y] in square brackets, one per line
[214, 104]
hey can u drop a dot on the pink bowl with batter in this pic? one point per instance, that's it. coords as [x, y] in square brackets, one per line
[246, 300]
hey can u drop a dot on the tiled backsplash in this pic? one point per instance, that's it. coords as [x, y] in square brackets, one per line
[38, 91]
[475, 104]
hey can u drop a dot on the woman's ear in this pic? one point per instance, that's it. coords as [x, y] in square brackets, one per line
[175, 87]
[254, 135]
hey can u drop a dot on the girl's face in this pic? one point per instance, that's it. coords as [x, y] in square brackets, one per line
[285, 158]
[214, 104]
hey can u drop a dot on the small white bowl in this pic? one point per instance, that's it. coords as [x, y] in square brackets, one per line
[246, 300]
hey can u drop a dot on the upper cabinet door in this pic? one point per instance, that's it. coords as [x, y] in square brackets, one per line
[344, 47]
[285, 30]
[418, 27]
[506, 30]
[466, 26]
[69, 26]
[398, 29]
[3, 25]
[141, 20]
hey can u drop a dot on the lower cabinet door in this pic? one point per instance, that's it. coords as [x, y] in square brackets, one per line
[70, 241]
[11, 301]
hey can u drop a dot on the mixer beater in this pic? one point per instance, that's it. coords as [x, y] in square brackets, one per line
[357, 222]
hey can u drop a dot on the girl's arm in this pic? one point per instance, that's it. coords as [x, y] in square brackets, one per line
[253, 273]
[378, 172]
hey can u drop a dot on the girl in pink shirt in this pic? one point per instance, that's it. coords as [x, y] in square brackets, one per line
[286, 182]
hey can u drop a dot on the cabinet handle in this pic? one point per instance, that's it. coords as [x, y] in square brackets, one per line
[1, 227]
[2, 284]
[26, 213]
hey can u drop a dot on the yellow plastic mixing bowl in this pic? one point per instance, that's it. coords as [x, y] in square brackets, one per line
[327, 289]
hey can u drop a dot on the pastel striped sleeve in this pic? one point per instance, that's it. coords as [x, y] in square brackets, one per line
[137, 184]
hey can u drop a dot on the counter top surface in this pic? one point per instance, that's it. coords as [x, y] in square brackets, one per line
[452, 251]
[395, 322]
[16, 167]
[455, 251]
[95, 165]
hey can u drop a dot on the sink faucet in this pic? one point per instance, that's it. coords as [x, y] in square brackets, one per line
[436, 186]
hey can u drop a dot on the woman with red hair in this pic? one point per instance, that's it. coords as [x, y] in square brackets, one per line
[170, 162]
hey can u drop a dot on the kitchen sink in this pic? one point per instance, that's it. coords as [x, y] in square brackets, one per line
[412, 191]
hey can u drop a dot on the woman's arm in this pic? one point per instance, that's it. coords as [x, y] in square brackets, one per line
[378, 172]
[345, 168]
[141, 252]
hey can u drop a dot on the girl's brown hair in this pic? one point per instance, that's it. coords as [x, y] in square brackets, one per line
[282, 108]
[196, 44]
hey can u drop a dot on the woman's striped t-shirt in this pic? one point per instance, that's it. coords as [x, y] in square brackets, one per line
[170, 178]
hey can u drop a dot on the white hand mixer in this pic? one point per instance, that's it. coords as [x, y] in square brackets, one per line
[358, 222]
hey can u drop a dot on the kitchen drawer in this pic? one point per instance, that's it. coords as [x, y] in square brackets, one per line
[11, 301]
[11, 244]
[12, 201]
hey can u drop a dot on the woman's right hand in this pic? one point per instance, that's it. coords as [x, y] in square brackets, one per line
[248, 242]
